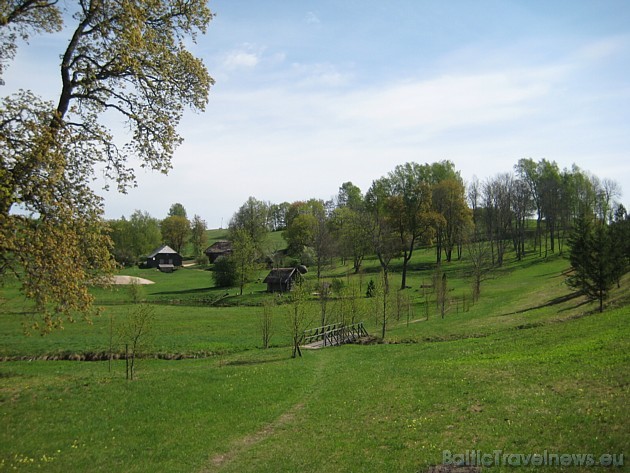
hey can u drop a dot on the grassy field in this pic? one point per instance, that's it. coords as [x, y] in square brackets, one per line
[526, 369]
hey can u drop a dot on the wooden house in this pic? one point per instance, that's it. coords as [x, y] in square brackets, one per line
[164, 258]
[283, 279]
[218, 249]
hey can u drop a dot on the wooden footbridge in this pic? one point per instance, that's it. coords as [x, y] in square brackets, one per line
[333, 334]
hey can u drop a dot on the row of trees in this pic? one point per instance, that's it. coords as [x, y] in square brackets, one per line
[532, 209]
[503, 206]
[430, 204]
[140, 234]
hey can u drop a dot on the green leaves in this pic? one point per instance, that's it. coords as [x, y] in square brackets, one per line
[124, 58]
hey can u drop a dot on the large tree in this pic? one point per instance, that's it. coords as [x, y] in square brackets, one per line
[122, 58]
[244, 256]
[307, 233]
[252, 217]
[278, 216]
[351, 228]
[406, 197]
[449, 200]
[498, 216]
[175, 231]
[178, 210]
[198, 237]
[383, 236]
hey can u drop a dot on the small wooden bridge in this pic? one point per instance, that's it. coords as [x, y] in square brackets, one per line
[333, 334]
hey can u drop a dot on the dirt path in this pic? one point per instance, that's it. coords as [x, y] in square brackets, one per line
[243, 444]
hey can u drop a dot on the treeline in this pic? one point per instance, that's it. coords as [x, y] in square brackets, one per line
[537, 208]
[137, 236]
[532, 209]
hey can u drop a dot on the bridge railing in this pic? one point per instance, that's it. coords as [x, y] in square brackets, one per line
[335, 334]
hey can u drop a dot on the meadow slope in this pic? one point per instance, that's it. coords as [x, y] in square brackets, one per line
[528, 368]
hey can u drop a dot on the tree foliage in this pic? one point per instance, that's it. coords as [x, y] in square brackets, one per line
[175, 231]
[177, 210]
[122, 58]
[244, 256]
[225, 272]
[449, 202]
[19, 19]
[198, 237]
[401, 204]
[307, 231]
[135, 237]
[592, 260]
[253, 218]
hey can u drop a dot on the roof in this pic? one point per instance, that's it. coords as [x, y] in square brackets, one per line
[219, 247]
[164, 249]
[281, 275]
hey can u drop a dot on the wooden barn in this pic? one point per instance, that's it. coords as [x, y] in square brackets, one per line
[283, 279]
[218, 249]
[164, 258]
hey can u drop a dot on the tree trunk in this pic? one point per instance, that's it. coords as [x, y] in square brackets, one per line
[406, 258]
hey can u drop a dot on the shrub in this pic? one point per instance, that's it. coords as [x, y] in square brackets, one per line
[225, 274]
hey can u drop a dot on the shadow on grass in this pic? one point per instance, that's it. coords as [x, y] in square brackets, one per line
[254, 361]
[8, 374]
[554, 301]
[184, 291]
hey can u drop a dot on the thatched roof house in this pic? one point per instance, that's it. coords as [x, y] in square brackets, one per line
[283, 279]
[218, 249]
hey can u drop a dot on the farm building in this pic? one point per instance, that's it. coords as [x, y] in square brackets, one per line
[217, 249]
[164, 258]
[283, 279]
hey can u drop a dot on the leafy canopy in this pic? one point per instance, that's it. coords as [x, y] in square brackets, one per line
[122, 58]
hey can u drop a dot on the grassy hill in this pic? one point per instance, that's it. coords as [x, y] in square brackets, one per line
[527, 369]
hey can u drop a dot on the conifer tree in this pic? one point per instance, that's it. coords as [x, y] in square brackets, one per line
[592, 260]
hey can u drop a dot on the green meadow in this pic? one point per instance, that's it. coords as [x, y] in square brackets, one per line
[527, 369]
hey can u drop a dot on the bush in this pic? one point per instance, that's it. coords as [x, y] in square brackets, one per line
[337, 286]
[224, 273]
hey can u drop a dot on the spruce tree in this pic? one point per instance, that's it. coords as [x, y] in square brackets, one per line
[592, 260]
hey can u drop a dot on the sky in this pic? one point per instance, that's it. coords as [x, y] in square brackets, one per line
[312, 94]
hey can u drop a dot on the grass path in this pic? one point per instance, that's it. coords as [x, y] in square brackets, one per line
[241, 446]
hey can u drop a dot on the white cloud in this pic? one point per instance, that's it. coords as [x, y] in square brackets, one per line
[447, 102]
[248, 56]
[320, 74]
[237, 59]
[312, 18]
[604, 48]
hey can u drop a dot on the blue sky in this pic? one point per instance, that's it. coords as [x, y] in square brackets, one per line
[311, 94]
